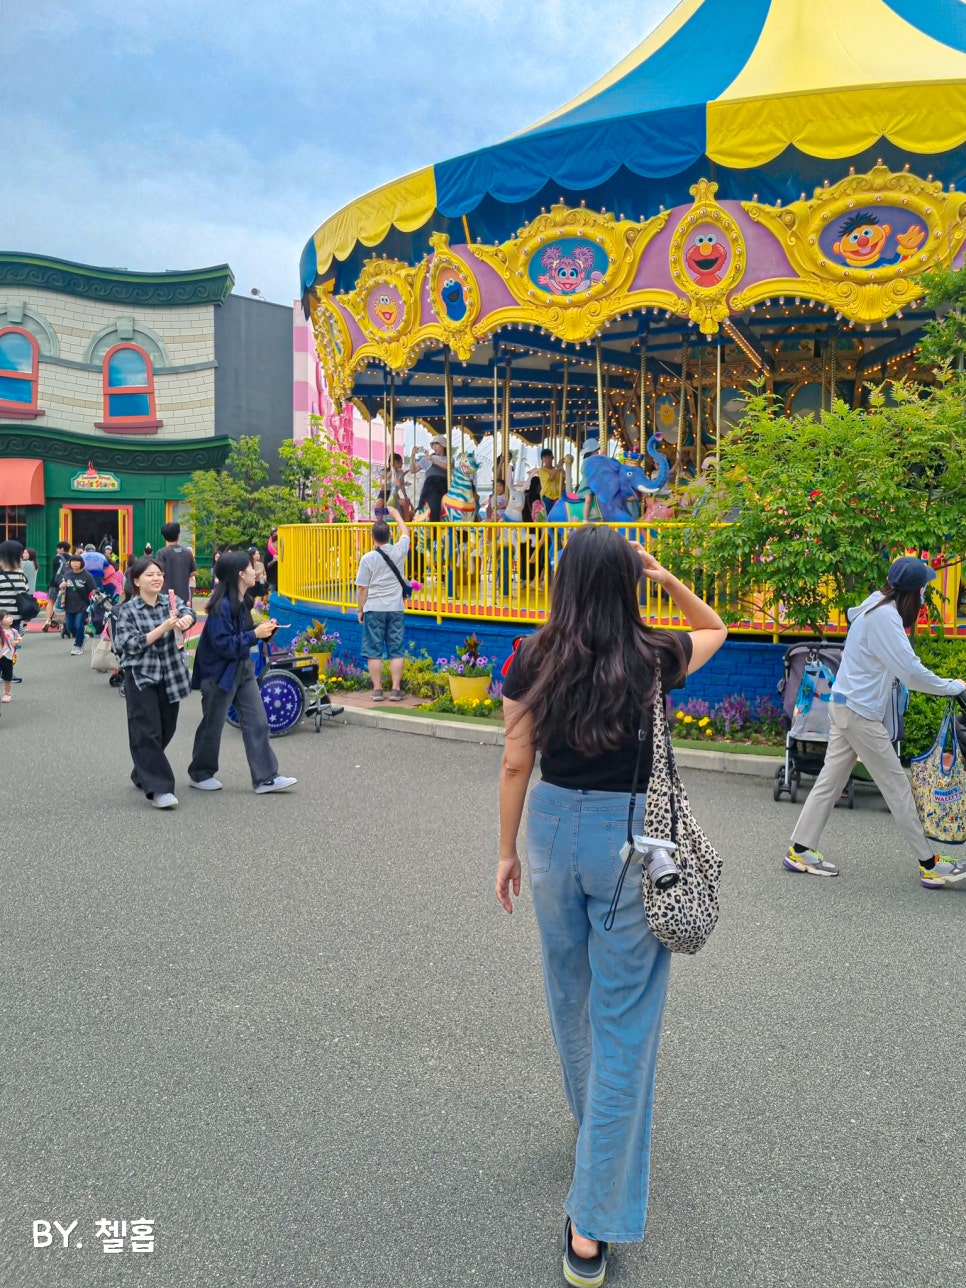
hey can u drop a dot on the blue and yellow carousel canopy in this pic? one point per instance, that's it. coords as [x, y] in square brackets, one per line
[738, 84]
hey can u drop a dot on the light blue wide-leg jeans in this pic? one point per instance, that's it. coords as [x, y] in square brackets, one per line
[606, 993]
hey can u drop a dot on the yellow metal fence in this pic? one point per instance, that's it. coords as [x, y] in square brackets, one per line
[502, 571]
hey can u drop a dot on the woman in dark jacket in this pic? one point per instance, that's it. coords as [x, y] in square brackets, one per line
[224, 673]
[579, 689]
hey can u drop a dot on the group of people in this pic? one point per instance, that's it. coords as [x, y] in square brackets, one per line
[580, 691]
[545, 484]
[148, 639]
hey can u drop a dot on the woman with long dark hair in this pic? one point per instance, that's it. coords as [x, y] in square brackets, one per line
[579, 690]
[12, 580]
[224, 673]
[149, 643]
[878, 659]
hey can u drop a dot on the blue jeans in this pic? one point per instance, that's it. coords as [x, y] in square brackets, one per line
[75, 624]
[382, 633]
[605, 993]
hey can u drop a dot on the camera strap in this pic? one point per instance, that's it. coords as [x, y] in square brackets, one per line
[632, 805]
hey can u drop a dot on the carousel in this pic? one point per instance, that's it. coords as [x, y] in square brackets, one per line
[749, 196]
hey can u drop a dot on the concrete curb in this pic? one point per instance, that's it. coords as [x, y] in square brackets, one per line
[719, 762]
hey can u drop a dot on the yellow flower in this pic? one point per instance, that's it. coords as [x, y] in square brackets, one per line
[704, 722]
[476, 702]
[689, 719]
[679, 715]
[709, 733]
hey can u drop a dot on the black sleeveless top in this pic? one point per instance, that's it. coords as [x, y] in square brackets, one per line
[612, 771]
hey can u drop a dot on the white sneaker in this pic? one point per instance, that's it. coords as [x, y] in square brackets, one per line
[76, 652]
[278, 784]
[206, 785]
[167, 800]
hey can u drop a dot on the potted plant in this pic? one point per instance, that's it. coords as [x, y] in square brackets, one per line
[316, 639]
[469, 673]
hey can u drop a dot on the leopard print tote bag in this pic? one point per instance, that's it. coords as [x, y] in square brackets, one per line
[683, 917]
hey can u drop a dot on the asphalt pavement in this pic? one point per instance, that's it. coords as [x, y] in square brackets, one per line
[298, 1034]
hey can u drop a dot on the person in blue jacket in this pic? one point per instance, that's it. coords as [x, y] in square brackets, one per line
[224, 673]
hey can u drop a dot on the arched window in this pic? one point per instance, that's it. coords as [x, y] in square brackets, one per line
[18, 374]
[128, 381]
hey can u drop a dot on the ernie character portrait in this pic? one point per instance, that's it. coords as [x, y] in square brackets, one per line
[863, 242]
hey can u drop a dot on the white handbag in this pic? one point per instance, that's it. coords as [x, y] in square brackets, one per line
[103, 657]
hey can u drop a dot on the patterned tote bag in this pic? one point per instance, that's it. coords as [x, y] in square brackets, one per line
[684, 916]
[939, 785]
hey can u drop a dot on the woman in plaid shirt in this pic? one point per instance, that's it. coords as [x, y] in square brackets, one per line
[149, 644]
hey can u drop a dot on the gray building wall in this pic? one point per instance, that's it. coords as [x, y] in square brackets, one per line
[253, 379]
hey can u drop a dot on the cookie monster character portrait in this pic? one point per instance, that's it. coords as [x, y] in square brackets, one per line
[452, 294]
[863, 242]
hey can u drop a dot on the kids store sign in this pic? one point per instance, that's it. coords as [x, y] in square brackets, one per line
[91, 480]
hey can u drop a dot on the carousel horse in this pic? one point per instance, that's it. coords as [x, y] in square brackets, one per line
[461, 502]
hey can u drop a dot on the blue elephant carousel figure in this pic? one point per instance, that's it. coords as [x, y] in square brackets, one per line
[619, 486]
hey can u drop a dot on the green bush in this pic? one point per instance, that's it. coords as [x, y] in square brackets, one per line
[203, 581]
[947, 657]
[487, 708]
[419, 677]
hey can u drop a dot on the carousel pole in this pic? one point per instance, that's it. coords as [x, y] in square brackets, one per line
[717, 413]
[369, 507]
[448, 414]
[699, 417]
[392, 438]
[507, 468]
[679, 462]
[496, 417]
[642, 401]
[832, 372]
[563, 415]
[601, 423]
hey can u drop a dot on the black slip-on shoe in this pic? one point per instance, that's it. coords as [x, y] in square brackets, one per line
[583, 1272]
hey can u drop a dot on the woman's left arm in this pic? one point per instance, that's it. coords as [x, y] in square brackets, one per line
[519, 753]
[186, 616]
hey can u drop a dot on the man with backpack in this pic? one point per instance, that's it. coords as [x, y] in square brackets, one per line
[383, 590]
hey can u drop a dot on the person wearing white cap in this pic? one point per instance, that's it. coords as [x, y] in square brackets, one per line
[436, 481]
[590, 448]
[878, 660]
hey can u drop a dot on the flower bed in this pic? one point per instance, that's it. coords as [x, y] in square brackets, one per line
[733, 720]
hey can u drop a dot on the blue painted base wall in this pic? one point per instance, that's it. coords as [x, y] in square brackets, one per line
[749, 667]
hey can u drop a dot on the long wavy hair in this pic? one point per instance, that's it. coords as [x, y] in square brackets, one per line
[591, 665]
[227, 570]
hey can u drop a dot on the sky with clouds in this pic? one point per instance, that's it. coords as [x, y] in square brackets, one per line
[160, 134]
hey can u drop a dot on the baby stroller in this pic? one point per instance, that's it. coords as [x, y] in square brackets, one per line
[806, 686]
[102, 618]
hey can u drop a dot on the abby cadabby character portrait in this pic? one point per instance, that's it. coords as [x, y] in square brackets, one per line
[568, 266]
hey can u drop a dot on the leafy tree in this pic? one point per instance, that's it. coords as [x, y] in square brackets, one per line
[807, 514]
[234, 505]
[945, 339]
[323, 479]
